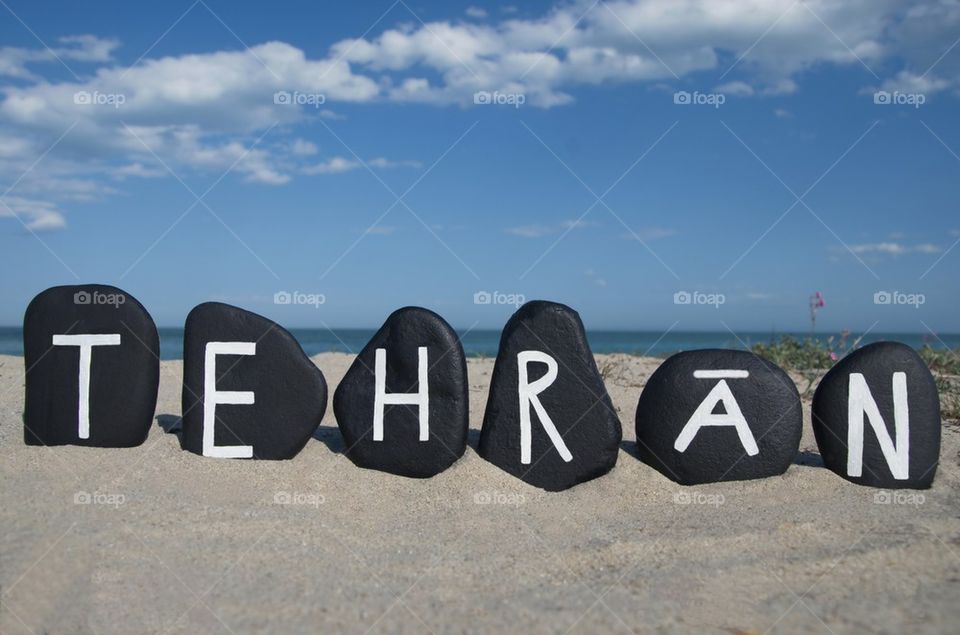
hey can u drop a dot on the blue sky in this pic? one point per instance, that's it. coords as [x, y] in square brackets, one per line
[598, 189]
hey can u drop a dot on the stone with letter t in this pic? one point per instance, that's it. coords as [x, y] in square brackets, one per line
[718, 415]
[876, 416]
[249, 391]
[403, 405]
[92, 356]
[549, 420]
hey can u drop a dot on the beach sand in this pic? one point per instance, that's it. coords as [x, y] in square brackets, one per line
[176, 543]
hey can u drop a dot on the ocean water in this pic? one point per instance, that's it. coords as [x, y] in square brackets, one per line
[478, 343]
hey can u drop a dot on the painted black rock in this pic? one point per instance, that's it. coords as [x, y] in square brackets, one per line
[718, 415]
[93, 367]
[549, 420]
[249, 391]
[403, 405]
[876, 417]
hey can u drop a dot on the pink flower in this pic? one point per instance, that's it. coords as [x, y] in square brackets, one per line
[833, 356]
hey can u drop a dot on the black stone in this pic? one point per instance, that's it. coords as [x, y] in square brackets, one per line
[877, 363]
[289, 390]
[577, 402]
[123, 378]
[768, 402]
[400, 451]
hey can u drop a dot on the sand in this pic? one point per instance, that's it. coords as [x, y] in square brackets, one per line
[174, 543]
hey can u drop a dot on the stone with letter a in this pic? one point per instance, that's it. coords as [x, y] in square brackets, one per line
[92, 355]
[403, 405]
[718, 415]
[549, 419]
[876, 416]
[249, 391]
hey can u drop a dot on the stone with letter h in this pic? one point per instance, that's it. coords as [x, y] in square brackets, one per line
[402, 407]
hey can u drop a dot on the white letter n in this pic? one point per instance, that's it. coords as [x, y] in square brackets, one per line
[860, 404]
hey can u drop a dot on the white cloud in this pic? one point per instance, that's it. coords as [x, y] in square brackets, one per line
[207, 111]
[736, 88]
[539, 231]
[476, 12]
[303, 148]
[338, 165]
[35, 215]
[380, 230]
[892, 248]
[14, 61]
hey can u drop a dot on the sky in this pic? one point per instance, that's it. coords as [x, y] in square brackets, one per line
[655, 164]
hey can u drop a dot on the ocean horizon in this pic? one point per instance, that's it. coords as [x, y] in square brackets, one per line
[485, 342]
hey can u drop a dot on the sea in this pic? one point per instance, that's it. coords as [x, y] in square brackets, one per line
[484, 343]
